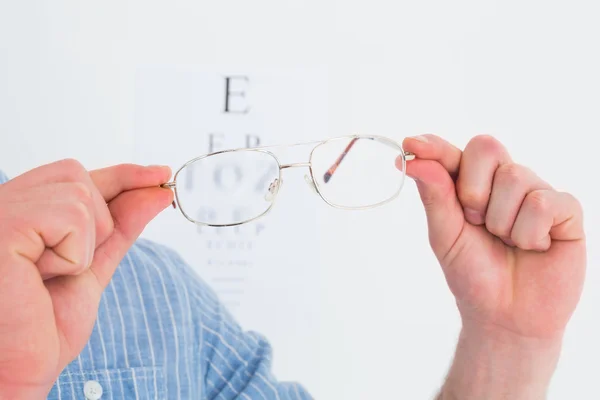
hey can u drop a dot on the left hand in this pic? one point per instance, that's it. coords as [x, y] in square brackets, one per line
[513, 253]
[511, 247]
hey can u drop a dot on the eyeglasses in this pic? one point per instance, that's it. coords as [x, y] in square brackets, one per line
[234, 187]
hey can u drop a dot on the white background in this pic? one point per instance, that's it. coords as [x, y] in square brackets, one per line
[526, 72]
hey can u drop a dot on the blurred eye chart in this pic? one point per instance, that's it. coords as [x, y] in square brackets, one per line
[265, 272]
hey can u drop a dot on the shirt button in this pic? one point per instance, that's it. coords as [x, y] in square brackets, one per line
[92, 390]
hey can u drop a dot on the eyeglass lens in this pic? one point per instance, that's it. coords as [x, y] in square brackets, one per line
[357, 172]
[228, 188]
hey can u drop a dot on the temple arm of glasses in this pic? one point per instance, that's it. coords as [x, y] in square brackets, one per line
[408, 156]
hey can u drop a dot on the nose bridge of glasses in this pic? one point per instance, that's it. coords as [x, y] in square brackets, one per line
[295, 165]
[307, 177]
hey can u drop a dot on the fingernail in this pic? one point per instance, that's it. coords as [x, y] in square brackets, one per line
[399, 162]
[474, 216]
[420, 138]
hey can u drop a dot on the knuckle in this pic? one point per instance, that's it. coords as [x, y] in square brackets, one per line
[73, 168]
[497, 223]
[132, 173]
[81, 213]
[473, 198]
[486, 143]
[485, 147]
[71, 163]
[538, 202]
[511, 174]
[127, 168]
[82, 192]
[574, 201]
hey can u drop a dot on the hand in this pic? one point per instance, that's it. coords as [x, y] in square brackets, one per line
[513, 252]
[64, 231]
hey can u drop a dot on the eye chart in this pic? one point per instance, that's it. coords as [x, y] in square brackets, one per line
[265, 272]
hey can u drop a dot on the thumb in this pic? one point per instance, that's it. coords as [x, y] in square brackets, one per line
[434, 169]
[132, 211]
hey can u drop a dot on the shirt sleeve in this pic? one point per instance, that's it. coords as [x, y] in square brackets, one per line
[3, 177]
[235, 364]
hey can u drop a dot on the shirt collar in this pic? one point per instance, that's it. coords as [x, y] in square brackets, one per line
[3, 178]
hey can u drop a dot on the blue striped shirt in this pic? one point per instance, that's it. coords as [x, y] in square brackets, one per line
[161, 333]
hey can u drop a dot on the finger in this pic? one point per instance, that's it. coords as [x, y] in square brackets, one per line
[58, 237]
[547, 215]
[73, 254]
[69, 171]
[511, 183]
[432, 147]
[105, 184]
[132, 211]
[109, 182]
[112, 181]
[50, 257]
[54, 263]
[480, 159]
[435, 161]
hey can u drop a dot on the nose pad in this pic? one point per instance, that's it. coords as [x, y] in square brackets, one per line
[273, 189]
[311, 183]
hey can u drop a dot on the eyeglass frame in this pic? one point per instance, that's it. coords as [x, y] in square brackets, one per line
[406, 156]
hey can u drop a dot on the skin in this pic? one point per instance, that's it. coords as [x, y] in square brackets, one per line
[515, 263]
[64, 231]
[513, 253]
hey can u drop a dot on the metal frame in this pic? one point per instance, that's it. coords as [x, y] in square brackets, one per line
[406, 156]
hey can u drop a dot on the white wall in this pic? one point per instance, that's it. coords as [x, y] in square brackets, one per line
[526, 72]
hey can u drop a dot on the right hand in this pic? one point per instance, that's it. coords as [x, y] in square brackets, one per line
[63, 231]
